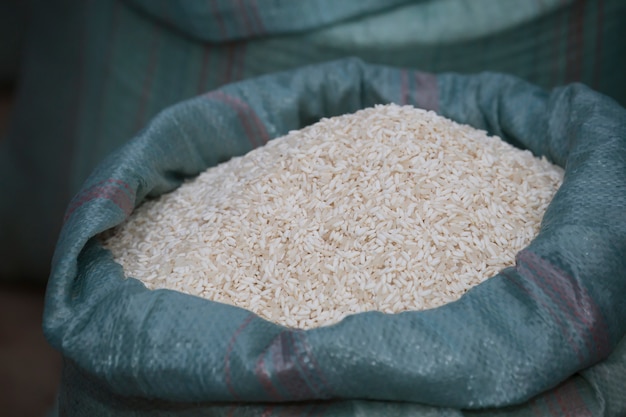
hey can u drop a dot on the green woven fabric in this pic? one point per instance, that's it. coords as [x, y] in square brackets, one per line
[543, 338]
[94, 72]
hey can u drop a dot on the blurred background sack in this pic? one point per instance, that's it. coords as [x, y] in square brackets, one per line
[93, 73]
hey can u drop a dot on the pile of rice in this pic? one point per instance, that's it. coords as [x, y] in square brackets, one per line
[391, 208]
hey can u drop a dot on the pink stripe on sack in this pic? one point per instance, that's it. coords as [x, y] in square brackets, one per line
[226, 99]
[263, 376]
[583, 312]
[254, 128]
[285, 368]
[232, 64]
[301, 357]
[553, 406]
[323, 387]
[552, 314]
[404, 86]
[427, 91]
[564, 406]
[283, 358]
[229, 351]
[114, 190]
[569, 400]
[545, 274]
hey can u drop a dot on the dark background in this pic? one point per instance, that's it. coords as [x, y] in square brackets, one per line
[29, 368]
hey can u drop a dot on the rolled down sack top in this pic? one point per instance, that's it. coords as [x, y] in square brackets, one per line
[558, 311]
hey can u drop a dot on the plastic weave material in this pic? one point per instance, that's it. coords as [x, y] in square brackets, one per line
[543, 338]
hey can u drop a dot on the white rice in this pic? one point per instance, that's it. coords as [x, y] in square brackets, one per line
[390, 208]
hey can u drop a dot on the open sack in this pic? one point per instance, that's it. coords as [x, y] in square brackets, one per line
[543, 338]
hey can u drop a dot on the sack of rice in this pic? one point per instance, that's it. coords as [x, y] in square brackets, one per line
[396, 260]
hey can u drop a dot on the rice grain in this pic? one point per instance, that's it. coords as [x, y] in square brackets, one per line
[391, 208]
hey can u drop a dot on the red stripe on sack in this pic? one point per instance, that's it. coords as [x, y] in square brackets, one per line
[570, 403]
[552, 314]
[123, 184]
[109, 189]
[300, 358]
[241, 113]
[215, 11]
[310, 390]
[282, 353]
[563, 405]
[119, 182]
[227, 73]
[264, 379]
[110, 181]
[147, 84]
[553, 406]
[561, 283]
[404, 87]
[597, 63]
[260, 126]
[427, 91]
[111, 193]
[256, 16]
[246, 115]
[575, 42]
[547, 274]
[532, 276]
[580, 400]
[229, 350]
[324, 388]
